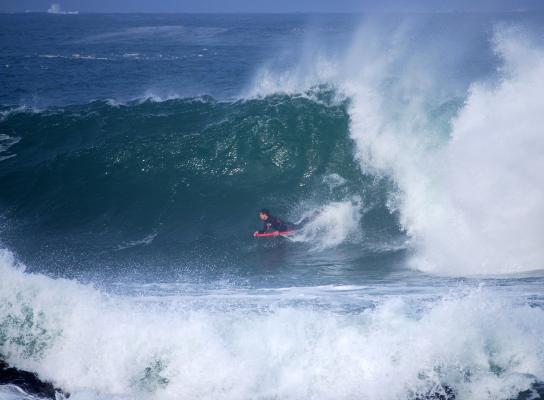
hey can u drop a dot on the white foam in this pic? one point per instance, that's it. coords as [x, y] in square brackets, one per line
[101, 346]
[13, 392]
[334, 180]
[474, 205]
[331, 225]
[74, 56]
[155, 97]
[492, 208]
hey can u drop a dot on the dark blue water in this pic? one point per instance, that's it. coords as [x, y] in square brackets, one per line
[62, 60]
[136, 150]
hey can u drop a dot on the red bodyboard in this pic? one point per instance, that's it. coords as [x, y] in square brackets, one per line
[272, 234]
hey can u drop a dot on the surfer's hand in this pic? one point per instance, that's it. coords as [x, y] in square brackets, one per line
[255, 233]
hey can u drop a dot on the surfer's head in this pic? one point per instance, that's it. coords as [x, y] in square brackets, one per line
[264, 214]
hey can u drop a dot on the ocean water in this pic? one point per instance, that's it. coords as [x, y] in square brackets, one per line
[136, 150]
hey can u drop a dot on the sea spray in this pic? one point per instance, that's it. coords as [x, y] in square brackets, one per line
[331, 225]
[472, 204]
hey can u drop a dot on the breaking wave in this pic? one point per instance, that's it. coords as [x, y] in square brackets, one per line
[473, 343]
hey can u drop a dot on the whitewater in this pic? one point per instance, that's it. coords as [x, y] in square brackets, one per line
[129, 192]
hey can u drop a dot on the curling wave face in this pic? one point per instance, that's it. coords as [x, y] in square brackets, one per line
[160, 181]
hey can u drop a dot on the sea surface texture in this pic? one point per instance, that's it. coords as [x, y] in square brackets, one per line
[136, 151]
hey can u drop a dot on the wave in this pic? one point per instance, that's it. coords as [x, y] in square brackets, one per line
[75, 56]
[471, 203]
[412, 140]
[475, 342]
[464, 158]
[186, 171]
[123, 56]
[6, 142]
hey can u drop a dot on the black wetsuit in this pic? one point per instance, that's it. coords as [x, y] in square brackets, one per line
[273, 224]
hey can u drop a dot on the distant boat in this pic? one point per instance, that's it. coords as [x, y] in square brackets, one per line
[55, 9]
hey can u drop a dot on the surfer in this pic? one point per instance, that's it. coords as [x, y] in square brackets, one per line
[276, 226]
[272, 224]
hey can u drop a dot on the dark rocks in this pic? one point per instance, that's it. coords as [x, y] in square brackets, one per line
[28, 382]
